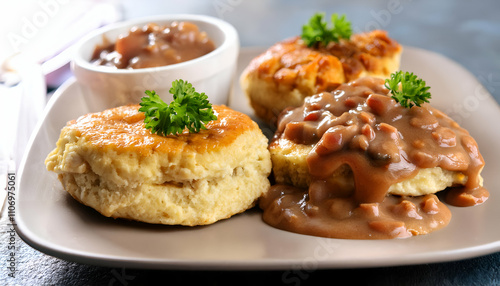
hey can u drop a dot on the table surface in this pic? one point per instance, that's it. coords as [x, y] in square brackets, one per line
[468, 32]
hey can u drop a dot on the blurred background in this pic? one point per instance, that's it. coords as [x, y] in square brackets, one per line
[465, 31]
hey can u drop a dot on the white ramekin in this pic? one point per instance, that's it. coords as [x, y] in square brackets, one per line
[109, 87]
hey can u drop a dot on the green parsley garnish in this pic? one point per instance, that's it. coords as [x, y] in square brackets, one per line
[189, 109]
[317, 31]
[407, 89]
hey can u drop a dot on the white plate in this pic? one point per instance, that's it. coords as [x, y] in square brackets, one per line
[51, 221]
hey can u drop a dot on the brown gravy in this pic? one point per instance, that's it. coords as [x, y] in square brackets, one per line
[383, 143]
[153, 46]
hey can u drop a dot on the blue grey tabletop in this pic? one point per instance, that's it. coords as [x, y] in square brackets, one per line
[467, 32]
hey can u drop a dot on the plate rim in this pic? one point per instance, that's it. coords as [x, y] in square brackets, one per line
[257, 264]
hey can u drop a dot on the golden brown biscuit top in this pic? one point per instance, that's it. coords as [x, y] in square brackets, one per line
[122, 129]
[375, 43]
[363, 52]
[291, 60]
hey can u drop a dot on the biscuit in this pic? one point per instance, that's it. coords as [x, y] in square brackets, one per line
[419, 150]
[110, 162]
[289, 71]
[290, 167]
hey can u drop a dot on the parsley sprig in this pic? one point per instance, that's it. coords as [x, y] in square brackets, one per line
[189, 109]
[407, 89]
[318, 32]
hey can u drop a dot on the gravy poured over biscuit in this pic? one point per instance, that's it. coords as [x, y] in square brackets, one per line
[376, 142]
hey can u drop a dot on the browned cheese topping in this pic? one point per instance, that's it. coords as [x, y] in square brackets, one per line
[360, 126]
[122, 129]
[364, 51]
[153, 46]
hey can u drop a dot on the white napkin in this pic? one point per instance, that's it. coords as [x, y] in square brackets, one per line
[37, 40]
